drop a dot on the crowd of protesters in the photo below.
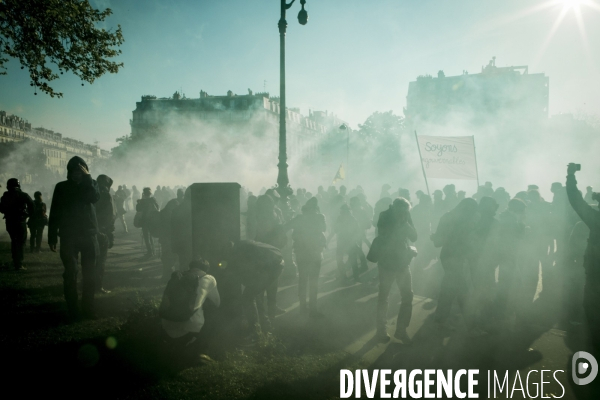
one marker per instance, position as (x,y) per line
(492,253)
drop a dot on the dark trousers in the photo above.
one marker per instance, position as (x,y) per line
(454,287)
(35,239)
(254,287)
(591,299)
(18,238)
(353,252)
(101,260)
(148,241)
(70,248)
(403,280)
(309,268)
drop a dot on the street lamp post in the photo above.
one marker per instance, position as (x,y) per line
(283,182)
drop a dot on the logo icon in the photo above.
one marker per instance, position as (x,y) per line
(582,367)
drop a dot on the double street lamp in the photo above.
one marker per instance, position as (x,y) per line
(283,182)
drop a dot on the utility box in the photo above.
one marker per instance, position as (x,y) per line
(215,219)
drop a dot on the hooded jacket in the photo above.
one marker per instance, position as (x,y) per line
(73,211)
(16,206)
(106,211)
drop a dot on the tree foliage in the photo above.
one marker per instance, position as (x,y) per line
(50,37)
(381,134)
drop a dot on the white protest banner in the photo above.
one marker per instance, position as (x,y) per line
(448,157)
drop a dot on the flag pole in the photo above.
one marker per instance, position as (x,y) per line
(422,167)
(475,154)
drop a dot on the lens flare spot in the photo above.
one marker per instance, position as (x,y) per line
(111,342)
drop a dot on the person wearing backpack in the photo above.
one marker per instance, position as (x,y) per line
(16,207)
(182,307)
(148,208)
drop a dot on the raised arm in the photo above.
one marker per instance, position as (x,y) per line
(581,207)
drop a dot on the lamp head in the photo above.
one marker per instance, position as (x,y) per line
(303,15)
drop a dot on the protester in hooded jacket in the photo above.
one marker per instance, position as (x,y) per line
(106,214)
(73,219)
(16,207)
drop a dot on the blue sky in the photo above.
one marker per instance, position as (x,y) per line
(352,58)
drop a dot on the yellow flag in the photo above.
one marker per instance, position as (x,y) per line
(340,175)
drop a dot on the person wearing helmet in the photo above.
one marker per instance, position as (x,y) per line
(16,206)
(73,219)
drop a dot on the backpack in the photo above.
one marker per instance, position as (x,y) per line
(180,298)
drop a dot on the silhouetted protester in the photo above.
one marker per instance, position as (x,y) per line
(182,310)
(450,197)
(591,261)
(270,230)
(424,278)
(393,254)
(484,259)
(454,235)
(180,194)
(347,231)
(73,219)
(381,205)
(536,243)
(385,191)
(511,232)
(309,241)
(120,198)
(256,265)
(364,223)
(148,207)
(135,195)
(168,256)
(106,213)
(37,222)
(127,202)
(181,231)
(575,276)
(16,207)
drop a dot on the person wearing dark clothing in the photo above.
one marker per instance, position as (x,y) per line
(167,255)
(256,266)
(394,255)
(270,230)
(364,223)
(309,241)
(181,231)
(511,230)
(120,198)
(16,207)
(454,235)
(484,255)
(37,222)
(73,219)
(591,259)
(106,214)
(348,236)
(147,205)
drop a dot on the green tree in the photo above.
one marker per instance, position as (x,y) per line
(380,135)
(50,37)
